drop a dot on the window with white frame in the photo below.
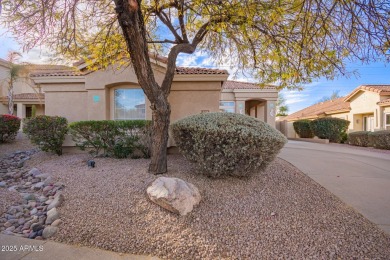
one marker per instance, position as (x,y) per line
(227,106)
(129,104)
(387,121)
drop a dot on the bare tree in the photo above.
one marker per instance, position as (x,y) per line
(286,41)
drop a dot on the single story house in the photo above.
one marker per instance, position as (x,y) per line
(367,108)
(114,93)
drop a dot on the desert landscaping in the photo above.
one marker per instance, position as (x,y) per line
(279,213)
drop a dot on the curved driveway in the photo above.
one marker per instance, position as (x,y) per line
(360,178)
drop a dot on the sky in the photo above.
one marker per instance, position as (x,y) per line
(373,73)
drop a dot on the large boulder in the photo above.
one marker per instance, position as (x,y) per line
(174,195)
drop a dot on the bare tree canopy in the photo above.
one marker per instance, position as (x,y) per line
(287,41)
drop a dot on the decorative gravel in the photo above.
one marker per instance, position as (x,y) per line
(278,214)
(7,199)
(21,143)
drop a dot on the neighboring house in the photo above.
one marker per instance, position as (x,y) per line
(114,93)
(367,108)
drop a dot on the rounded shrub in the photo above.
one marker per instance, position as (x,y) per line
(331,128)
(380,139)
(120,139)
(302,128)
(48,132)
(226,143)
(9,127)
(359,138)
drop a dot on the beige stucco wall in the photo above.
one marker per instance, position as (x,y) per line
(190,98)
(71,105)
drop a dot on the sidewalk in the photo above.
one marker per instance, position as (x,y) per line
(24,248)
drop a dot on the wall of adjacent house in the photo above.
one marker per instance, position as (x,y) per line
(364,104)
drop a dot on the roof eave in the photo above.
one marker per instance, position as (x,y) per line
(200,77)
(58,79)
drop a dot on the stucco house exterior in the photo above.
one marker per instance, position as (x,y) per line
(367,108)
(114,94)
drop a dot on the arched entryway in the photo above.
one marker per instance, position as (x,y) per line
(256,108)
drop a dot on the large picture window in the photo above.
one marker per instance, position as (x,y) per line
(129,104)
(227,106)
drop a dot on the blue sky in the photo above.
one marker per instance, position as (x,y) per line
(373,73)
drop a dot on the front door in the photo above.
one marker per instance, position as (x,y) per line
(368,123)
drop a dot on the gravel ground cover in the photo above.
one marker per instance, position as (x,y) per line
(278,214)
(21,143)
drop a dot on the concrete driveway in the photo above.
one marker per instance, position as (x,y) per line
(360,178)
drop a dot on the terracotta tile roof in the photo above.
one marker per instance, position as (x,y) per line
(380,89)
(198,71)
(327,107)
(30,96)
(68,73)
(384,102)
(244,85)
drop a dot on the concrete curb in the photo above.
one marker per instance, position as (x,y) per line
(15,248)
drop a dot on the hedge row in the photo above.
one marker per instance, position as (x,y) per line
(47,132)
(119,139)
(9,126)
(330,128)
(378,139)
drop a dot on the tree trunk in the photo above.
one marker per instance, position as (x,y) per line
(160,127)
(11,99)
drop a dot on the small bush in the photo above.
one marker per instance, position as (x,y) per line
(118,139)
(359,138)
(302,128)
(48,132)
(380,139)
(227,143)
(329,128)
(9,127)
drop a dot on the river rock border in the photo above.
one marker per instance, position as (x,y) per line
(37,216)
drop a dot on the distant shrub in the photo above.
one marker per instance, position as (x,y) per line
(329,128)
(302,128)
(380,139)
(9,127)
(227,143)
(48,132)
(118,139)
(359,138)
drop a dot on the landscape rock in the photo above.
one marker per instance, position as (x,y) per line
(174,195)
(34,172)
(56,223)
(52,215)
(49,231)
(57,201)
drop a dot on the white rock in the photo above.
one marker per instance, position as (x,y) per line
(52,215)
(34,172)
(49,231)
(57,201)
(174,195)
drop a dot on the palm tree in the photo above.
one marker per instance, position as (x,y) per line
(13,76)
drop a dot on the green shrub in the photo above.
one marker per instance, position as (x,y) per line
(329,128)
(118,139)
(48,132)
(227,143)
(359,138)
(302,128)
(380,139)
(9,127)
